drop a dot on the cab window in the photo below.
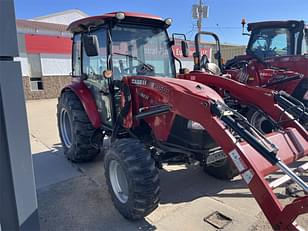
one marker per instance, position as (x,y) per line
(94,66)
(271,42)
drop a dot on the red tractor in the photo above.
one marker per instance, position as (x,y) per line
(125,87)
(251,71)
(275,50)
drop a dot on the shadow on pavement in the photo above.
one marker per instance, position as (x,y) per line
(71,198)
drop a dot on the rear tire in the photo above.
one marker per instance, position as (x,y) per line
(223,169)
(132,178)
(75,129)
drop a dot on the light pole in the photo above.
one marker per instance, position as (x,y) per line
(200,11)
(18,203)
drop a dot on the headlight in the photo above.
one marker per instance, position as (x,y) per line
(168,21)
(120,15)
(194,125)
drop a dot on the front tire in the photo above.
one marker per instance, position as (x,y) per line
(222,169)
(132,178)
(75,129)
(257,119)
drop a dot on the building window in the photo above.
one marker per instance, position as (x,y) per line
(35,65)
(36,84)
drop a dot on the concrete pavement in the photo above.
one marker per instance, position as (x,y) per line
(75,197)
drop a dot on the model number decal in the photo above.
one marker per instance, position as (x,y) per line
(161,88)
(139,82)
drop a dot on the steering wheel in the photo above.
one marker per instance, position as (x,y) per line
(238,64)
(142,69)
(130,68)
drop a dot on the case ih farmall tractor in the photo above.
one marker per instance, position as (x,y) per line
(275,50)
(251,71)
(125,87)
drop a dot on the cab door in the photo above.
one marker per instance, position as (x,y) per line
(92,71)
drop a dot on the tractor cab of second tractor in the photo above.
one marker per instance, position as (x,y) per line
(277,38)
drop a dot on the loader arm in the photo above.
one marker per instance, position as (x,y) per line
(273,103)
(254,156)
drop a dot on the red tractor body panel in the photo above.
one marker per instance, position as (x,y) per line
(260,75)
(149,91)
(87,100)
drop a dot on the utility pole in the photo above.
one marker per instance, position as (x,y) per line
(199,22)
(18,203)
(199,11)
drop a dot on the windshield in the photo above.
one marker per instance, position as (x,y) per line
(138,50)
(266,43)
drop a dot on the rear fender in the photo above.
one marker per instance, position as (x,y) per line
(87,100)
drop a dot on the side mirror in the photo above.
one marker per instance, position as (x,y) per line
(90,43)
(185,49)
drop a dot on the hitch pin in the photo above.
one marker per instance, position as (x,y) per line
(292,175)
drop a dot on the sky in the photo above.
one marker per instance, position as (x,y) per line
(224,15)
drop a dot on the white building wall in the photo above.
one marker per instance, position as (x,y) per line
(56,64)
(65,17)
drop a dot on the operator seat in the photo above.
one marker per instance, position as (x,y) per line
(206,66)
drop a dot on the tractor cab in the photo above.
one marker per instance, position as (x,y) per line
(277,38)
(108,47)
(276,57)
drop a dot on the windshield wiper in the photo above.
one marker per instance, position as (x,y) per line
(136,58)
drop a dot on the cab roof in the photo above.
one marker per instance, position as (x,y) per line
(83,24)
(270,24)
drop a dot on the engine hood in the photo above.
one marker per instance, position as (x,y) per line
(169,87)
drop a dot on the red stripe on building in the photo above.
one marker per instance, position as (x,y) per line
(48,44)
